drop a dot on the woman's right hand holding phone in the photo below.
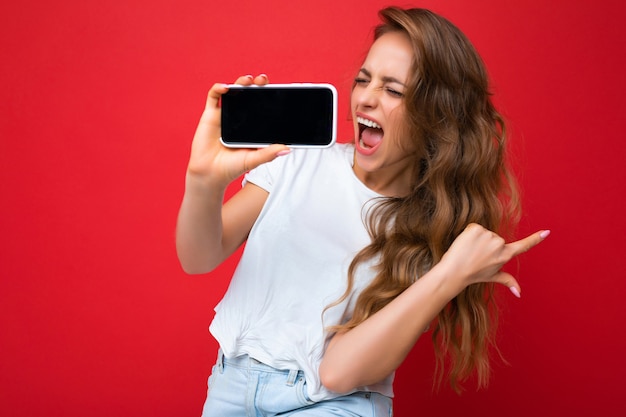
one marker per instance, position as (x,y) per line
(209,230)
(210,161)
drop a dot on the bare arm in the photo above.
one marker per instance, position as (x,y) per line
(375,348)
(207,232)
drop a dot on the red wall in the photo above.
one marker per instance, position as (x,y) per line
(98,104)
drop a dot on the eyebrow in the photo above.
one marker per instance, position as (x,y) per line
(386,79)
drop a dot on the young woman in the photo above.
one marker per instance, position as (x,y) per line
(353,251)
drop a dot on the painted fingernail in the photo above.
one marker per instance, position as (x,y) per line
(263,75)
(515,292)
(544,234)
(283,152)
(249,76)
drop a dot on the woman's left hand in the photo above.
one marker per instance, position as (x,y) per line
(376,347)
(478,255)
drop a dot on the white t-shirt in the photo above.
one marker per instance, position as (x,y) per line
(295,264)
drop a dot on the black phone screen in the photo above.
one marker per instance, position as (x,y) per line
(294,115)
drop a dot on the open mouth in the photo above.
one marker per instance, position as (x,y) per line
(370,133)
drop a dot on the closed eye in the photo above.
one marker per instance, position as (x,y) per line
(395,93)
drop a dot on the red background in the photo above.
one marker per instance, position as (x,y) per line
(98,104)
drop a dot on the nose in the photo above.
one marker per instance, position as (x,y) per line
(369,96)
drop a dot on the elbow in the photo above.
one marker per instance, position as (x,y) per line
(192,270)
(195,268)
(193,264)
(334,380)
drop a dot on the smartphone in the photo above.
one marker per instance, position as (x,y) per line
(298,115)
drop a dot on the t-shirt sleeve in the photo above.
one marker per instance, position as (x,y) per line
(265,175)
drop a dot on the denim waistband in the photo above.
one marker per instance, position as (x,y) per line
(247,362)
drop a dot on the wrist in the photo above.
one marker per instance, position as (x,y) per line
(203,182)
(199,187)
(450,281)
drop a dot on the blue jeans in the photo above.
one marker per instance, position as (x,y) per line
(244,387)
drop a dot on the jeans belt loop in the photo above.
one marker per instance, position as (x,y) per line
(291,379)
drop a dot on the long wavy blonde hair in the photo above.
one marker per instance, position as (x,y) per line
(460,177)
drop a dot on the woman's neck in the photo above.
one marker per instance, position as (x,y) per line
(390,181)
